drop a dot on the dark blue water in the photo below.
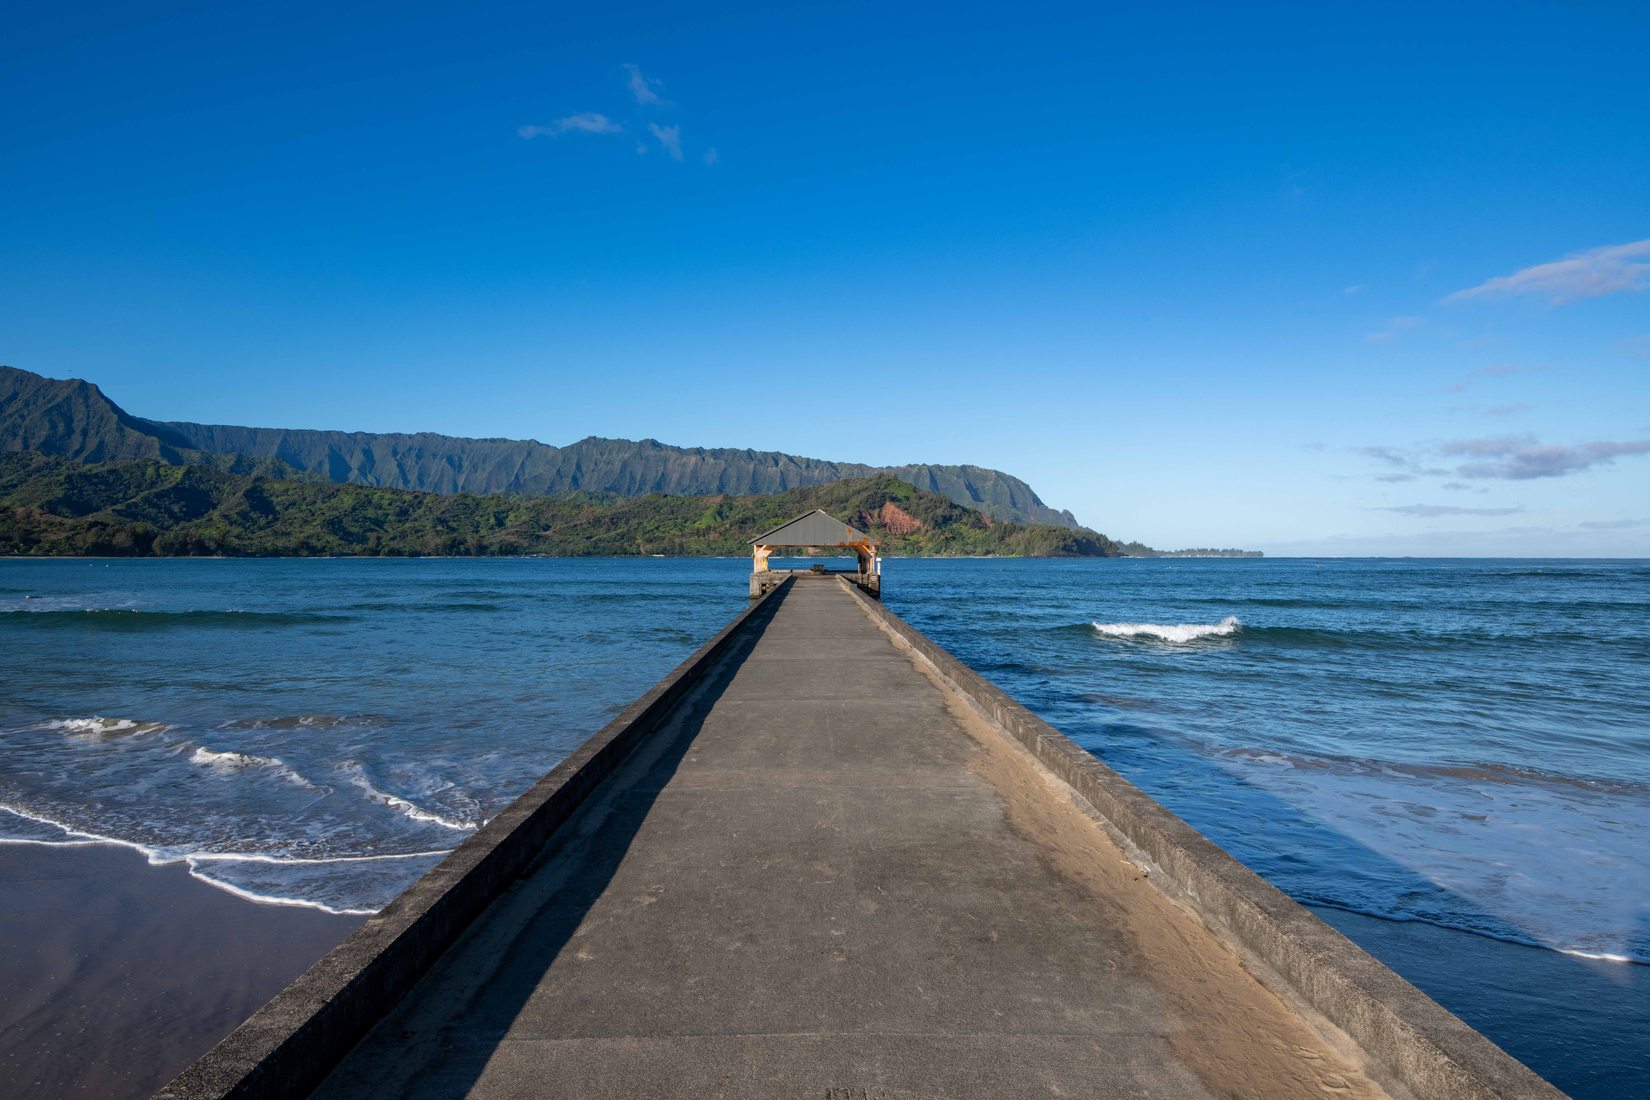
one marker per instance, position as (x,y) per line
(1462,746)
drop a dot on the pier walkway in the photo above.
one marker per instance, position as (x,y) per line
(823,884)
(824,874)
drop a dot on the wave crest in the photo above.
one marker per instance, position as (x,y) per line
(411,810)
(305,721)
(99,727)
(234,761)
(1177,634)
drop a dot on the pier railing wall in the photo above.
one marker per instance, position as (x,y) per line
(1416,1042)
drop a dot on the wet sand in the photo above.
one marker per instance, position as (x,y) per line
(117,974)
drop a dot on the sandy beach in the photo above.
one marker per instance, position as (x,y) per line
(119,974)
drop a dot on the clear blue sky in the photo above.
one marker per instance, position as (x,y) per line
(1309,278)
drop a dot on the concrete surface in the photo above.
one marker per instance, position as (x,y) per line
(1413,1042)
(823,858)
(819,881)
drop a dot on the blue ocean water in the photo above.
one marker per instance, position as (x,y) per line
(1460,745)
(318,731)
(1461,742)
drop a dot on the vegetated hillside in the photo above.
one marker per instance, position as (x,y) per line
(74,419)
(49,505)
(1141,550)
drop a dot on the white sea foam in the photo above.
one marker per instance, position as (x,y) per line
(298,861)
(1178,634)
(199,862)
(1598,956)
(410,809)
(233,761)
(71,834)
(276,899)
(99,726)
(305,721)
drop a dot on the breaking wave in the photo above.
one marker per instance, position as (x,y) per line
(266,879)
(410,809)
(234,761)
(1178,634)
(305,721)
(101,728)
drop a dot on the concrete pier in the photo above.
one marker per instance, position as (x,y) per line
(825,860)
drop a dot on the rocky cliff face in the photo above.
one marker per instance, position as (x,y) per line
(74,419)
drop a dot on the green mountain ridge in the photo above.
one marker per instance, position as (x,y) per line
(152,507)
(74,419)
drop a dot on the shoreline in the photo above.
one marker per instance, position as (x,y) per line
(120,973)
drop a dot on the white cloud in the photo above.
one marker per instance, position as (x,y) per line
(1494,370)
(1524,458)
(670,138)
(1405,465)
(1510,409)
(1607,270)
(583,122)
(1428,511)
(1394,327)
(642,87)
(711,156)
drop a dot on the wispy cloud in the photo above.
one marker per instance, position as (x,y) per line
(1394,327)
(1613,524)
(1524,458)
(1430,510)
(583,122)
(1405,465)
(1494,370)
(669,137)
(1606,270)
(642,86)
(644,90)
(1511,409)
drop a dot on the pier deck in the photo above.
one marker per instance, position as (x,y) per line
(823,883)
(824,859)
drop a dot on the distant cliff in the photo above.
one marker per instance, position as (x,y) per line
(74,419)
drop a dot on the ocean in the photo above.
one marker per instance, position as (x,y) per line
(1449,759)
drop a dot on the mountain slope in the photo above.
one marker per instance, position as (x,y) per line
(52,505)
(76,420)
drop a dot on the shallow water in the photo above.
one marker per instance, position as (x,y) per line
(319,732)
(1457,744)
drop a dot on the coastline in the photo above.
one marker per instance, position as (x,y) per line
(121,973)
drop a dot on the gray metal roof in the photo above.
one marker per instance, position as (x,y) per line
(813,529)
